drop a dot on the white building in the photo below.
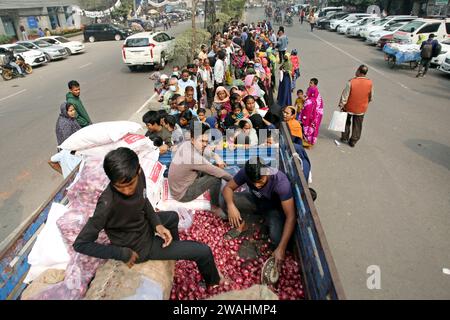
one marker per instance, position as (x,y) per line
(33,14)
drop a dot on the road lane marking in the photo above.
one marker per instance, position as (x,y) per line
(85,65)
(362,62)
(147,102)
(12,95)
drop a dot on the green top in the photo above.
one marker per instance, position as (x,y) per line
(82,115)
(286,66)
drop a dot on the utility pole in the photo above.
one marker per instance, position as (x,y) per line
(134,9)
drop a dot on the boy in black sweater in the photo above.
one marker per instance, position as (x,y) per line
(130,222)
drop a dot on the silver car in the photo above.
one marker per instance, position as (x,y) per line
(51,51)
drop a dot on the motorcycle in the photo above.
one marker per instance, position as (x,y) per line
(8,72)
(278,19)
(289,21)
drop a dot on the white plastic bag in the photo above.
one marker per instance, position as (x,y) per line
(49,251)
(148,290)
(338,121)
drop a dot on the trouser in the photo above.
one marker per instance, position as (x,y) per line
(184,250)
(203,183)
(274,217)
(312,26)
(356,128)
(16,66)
(423,66)
(210,97)
(301,20)
(282,53)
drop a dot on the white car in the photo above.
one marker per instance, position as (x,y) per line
(441,57)
(148,49)
(72,47)
(334,24)
(380,24)
(51,51)
(353,30)
(32,57)
(344,25)
(445,65)
(374,36)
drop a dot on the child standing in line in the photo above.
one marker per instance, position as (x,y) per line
(299,101)
(295,68)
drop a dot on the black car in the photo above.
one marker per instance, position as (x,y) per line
(105,31)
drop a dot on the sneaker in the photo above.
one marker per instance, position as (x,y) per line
(344,140)
(351,144)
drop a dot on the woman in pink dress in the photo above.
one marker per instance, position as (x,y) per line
(311,114)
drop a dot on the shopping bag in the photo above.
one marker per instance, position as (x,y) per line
(338,121)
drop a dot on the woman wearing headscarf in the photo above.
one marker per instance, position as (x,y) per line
(245,130)
(267,81)
(311,114)
(239,62)
(251,86)
(284,88)
(222,103)
(66,125)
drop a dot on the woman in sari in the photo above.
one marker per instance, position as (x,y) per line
(268,81)
(239,62)
(284,88)
(311,114)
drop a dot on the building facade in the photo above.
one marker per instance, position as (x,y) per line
(34,14)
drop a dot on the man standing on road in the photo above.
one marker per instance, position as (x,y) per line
(427,52)
(354,100)
(302,16)
(282,45)
(73,98)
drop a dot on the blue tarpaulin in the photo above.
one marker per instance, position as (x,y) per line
(402,56)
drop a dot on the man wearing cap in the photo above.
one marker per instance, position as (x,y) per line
(427,52)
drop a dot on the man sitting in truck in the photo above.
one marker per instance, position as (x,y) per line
(270,195)
(191,174)
(125,213)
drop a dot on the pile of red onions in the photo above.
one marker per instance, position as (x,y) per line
(239,273)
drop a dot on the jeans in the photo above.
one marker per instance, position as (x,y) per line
(423,66)
(184,250)
(14,65)
(274,218)
(356,128)
(203,183)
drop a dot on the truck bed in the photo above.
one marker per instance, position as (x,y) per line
(318,271)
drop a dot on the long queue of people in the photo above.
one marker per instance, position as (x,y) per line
(242,80)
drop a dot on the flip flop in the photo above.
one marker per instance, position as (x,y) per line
(232,234)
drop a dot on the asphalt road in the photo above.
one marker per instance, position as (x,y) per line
(29,108)
(386,201)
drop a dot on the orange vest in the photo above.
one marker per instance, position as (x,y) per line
(358,101)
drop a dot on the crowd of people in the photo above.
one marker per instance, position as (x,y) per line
(225,98)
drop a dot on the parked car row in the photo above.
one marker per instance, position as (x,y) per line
(378,31)
(42,50)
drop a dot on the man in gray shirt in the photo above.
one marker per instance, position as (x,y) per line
(191,173)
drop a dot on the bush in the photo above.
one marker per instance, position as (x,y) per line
(4,39)
(183,45)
